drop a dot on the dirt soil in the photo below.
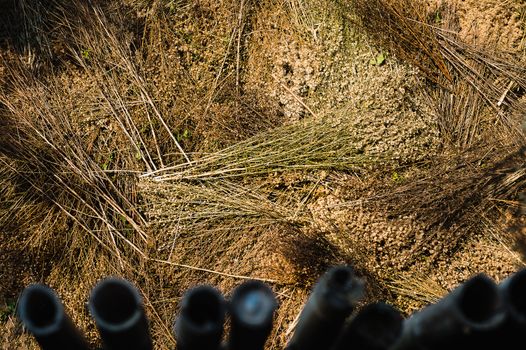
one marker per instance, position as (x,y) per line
(223,75)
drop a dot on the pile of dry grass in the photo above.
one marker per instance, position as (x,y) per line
(309,145)
(470,190)
(100,125)
(45,160)
(462,195)
(76,132)
(478,106)
(468,77)
(134,88)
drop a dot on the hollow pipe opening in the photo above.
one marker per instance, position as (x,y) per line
(115,304)
(516,295)
(340,277)
(40,309)
(379,322)
(338,291)
(203,306)
(375,326)
(253,303)
(479,300)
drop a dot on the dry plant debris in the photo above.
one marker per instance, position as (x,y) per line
(428,36)
(175,143)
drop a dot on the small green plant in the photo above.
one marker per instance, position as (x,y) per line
(7,310)
(173,5)
(438,17)
(108,160)
(379,60)
(396,177)
(85,54)
(185,135)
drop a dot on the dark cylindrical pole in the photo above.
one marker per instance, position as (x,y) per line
(513,329)
(43,315)
(463,318)
(252,308)
(199,325)
(332,300)
(117,308)
(375,327)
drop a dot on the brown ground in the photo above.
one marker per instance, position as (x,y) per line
(492,22)
(414,213)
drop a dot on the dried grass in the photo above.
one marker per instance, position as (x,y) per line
(73,140)
(46,159)
(427,38)
(196,205)
(310,145)
(401,27)
(214,217)
(476,98)
(456,191)
(106,55)
(221,232)
(419,288)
